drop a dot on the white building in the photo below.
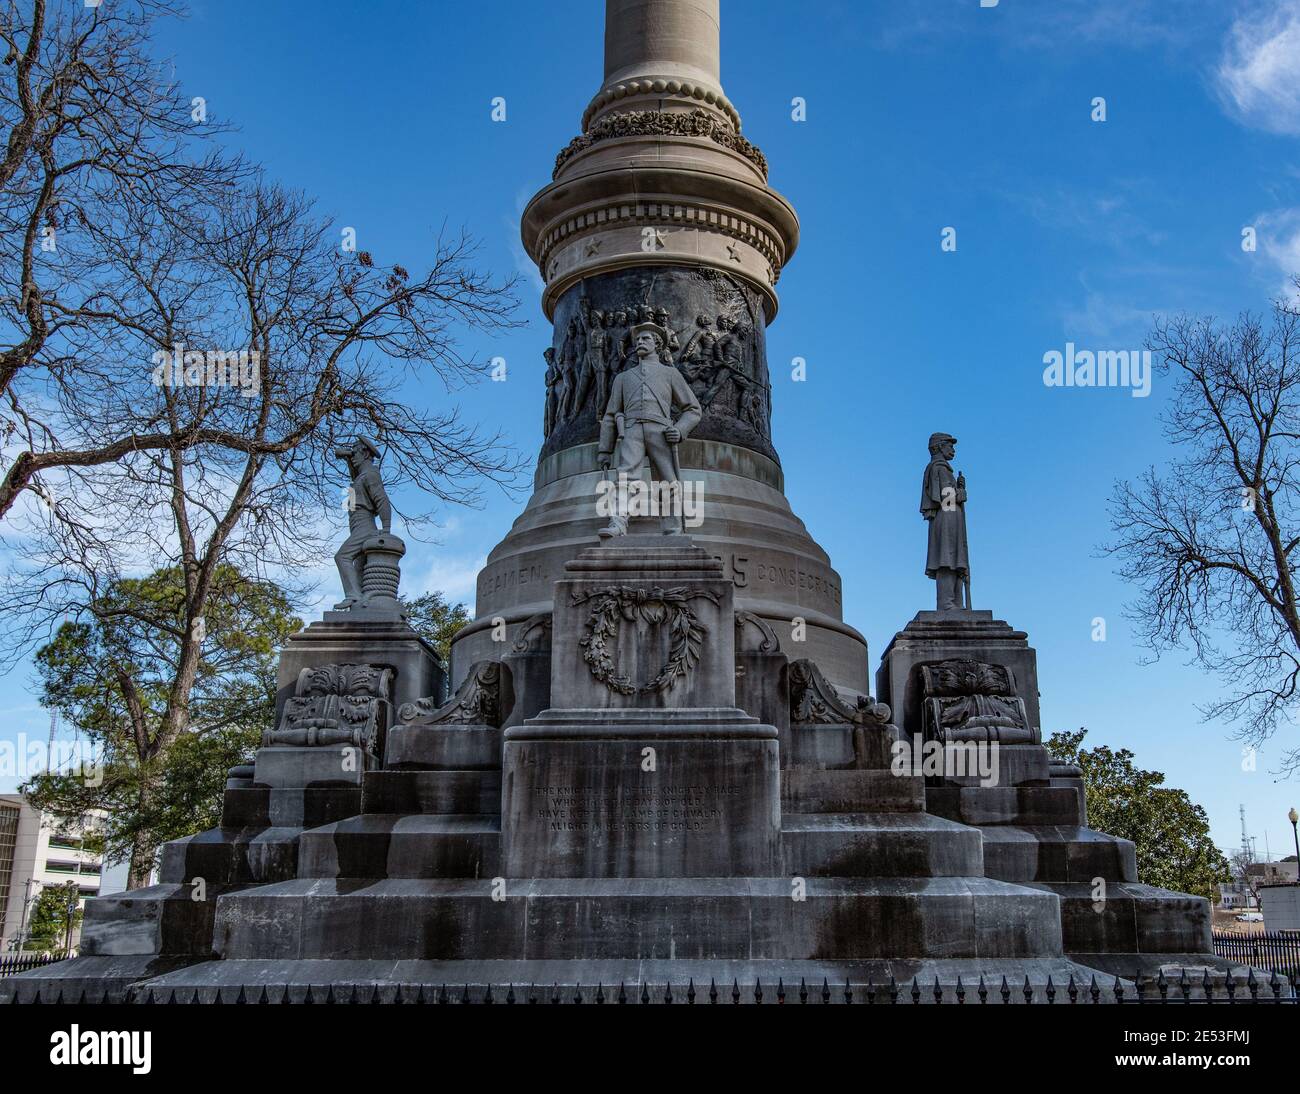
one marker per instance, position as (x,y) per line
(36,851)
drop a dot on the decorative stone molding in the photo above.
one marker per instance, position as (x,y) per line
(768,641)
(336,704)
(815,701)
(480,700)
(539,625)
(684,88)
(662,123)
(680,213)
(664,607)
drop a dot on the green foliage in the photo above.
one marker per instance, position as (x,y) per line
(436,621)
(112,674)
(1172,834)
(55,914)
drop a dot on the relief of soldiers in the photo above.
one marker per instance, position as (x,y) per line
(570,349)
(593,371)
(699,346)
(619,347)
(651,409)
(556,393)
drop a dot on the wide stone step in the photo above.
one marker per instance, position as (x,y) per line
(431,792)
(443,747)
(232,856)
(1127,917)
(646,919)
(1015,805)
(89,979)
(879,845)
(267,807)
(162,919)
(382,845)
(853,790)
(1057,853)
(720,981)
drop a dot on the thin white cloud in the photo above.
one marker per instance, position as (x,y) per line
(1258,76)
(1278,235)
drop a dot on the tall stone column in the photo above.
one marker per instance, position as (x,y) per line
(660,209)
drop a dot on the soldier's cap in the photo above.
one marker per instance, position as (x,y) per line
(366,442)
(653,328)
(936,439)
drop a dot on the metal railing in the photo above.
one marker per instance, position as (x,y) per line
(13,963)
(1278,953)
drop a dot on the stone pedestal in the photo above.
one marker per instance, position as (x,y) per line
(941,636)
(369,637)
(643,766)
(281,767)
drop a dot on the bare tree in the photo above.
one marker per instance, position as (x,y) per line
(198,346)
(1212,539)
(98,133)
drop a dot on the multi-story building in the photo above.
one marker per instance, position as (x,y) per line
(37,851)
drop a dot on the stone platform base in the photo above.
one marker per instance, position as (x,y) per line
(416,981)
(87,979)
(575,919)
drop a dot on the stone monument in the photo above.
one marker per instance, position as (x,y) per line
(659,760)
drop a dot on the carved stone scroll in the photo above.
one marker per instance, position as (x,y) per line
(814,700)
(483,698)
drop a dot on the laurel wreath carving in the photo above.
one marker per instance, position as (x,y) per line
(614,604)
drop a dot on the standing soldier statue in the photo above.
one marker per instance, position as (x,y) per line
(943,504)
(367,501)
(640,417)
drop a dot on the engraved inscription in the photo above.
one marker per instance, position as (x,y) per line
(632,809)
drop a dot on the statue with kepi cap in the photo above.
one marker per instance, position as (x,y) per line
(943,504)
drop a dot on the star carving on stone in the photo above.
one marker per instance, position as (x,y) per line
(593,247)
(661,238)
(733,252)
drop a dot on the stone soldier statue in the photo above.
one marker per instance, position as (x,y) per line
(367,501)
(943,504)
(651,410)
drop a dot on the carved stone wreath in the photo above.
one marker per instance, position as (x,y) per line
(614,604)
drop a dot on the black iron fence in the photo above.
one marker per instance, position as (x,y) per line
(12,963)
(1185,990)
(1278,953)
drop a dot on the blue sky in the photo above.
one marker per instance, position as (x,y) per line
(921,115)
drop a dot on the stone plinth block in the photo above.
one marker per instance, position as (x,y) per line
(608,794)
(350,638)
(320,765)
(970,636)
(646,622)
